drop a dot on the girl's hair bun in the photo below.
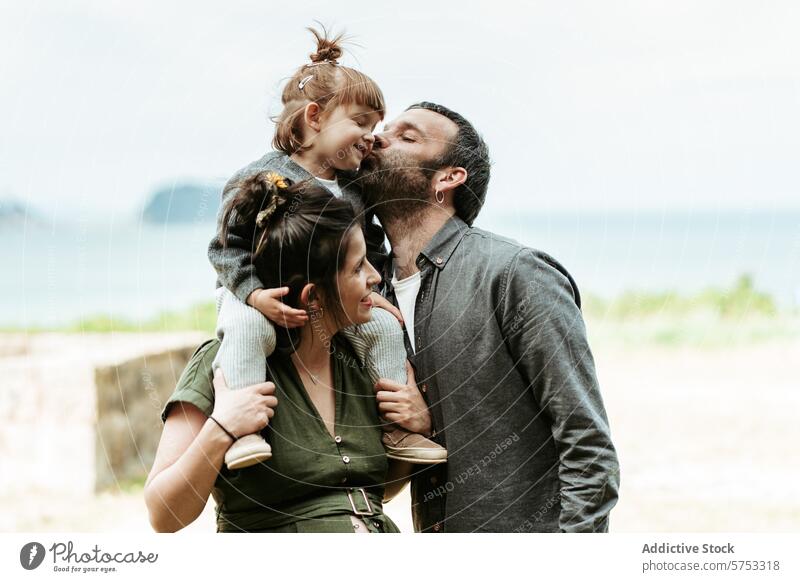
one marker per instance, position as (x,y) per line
(328,49)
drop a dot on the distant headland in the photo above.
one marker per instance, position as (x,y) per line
(183,203)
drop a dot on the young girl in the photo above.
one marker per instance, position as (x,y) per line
(329,113)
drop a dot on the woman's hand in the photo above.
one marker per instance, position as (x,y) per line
(245,411)
(268,302)
(403,404)
(379,300)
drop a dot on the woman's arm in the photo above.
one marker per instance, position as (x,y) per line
(187,463)
(192,449)
(403,404)
(398,476)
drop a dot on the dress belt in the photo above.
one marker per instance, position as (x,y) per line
(351,500)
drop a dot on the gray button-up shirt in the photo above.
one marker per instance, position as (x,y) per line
(504,365)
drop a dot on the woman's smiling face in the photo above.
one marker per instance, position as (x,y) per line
(355,280)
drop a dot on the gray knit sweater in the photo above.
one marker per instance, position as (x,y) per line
(233,262)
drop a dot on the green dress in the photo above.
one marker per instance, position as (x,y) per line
(314,482)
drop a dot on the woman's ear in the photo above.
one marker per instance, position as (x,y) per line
(311,116)
(308,297)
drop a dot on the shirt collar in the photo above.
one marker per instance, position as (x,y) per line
(438,250)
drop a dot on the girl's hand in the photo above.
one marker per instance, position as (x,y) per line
(268,302)
(379,300)
(245,411)
(403,404)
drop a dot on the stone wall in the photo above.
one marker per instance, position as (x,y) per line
(81,412)
(130,397)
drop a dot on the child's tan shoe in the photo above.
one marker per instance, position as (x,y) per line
(248,450)
(412,448)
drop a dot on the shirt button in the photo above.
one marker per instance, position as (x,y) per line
(436,527)
(424,387)
(337,438)
(346,459)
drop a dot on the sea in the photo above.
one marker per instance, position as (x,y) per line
(57,273)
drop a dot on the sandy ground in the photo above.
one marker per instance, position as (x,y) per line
(707,441)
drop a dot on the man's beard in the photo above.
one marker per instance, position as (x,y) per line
(394,186)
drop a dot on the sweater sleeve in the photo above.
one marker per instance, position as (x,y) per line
(233,258)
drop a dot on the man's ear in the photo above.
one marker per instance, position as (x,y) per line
(311,116)
(447,180)
(308,296)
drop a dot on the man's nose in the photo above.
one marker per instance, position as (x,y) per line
(380,141)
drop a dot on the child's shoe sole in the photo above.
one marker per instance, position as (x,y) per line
(247,451)
(417,456)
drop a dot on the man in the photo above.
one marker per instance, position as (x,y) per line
(495,333)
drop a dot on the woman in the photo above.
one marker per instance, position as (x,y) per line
(328,469)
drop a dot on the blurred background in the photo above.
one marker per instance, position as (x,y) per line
(647,146)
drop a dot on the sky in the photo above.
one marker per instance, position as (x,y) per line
(595,106)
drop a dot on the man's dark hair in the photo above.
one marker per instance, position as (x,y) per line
(469,151)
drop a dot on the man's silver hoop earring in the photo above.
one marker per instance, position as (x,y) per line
(438,199)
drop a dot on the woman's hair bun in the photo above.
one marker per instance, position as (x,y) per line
(256,200)
(328,49)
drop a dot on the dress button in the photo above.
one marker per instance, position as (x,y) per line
(337,438)
(436,527)
(346,459)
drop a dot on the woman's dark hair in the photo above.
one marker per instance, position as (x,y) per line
(300,235)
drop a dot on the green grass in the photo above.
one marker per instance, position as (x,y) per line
(200,317)
(742,299)
(714,317)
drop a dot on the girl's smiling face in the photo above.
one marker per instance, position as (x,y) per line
(344,137)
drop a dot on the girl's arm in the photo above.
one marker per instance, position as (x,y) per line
(232,256)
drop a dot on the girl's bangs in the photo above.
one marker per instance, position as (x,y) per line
(357,88)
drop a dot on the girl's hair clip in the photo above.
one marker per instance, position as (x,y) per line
(326,61)
(303,82)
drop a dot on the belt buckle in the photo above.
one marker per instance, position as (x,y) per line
(366,500)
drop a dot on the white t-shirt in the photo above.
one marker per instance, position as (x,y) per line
(406,292)
(332,185)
